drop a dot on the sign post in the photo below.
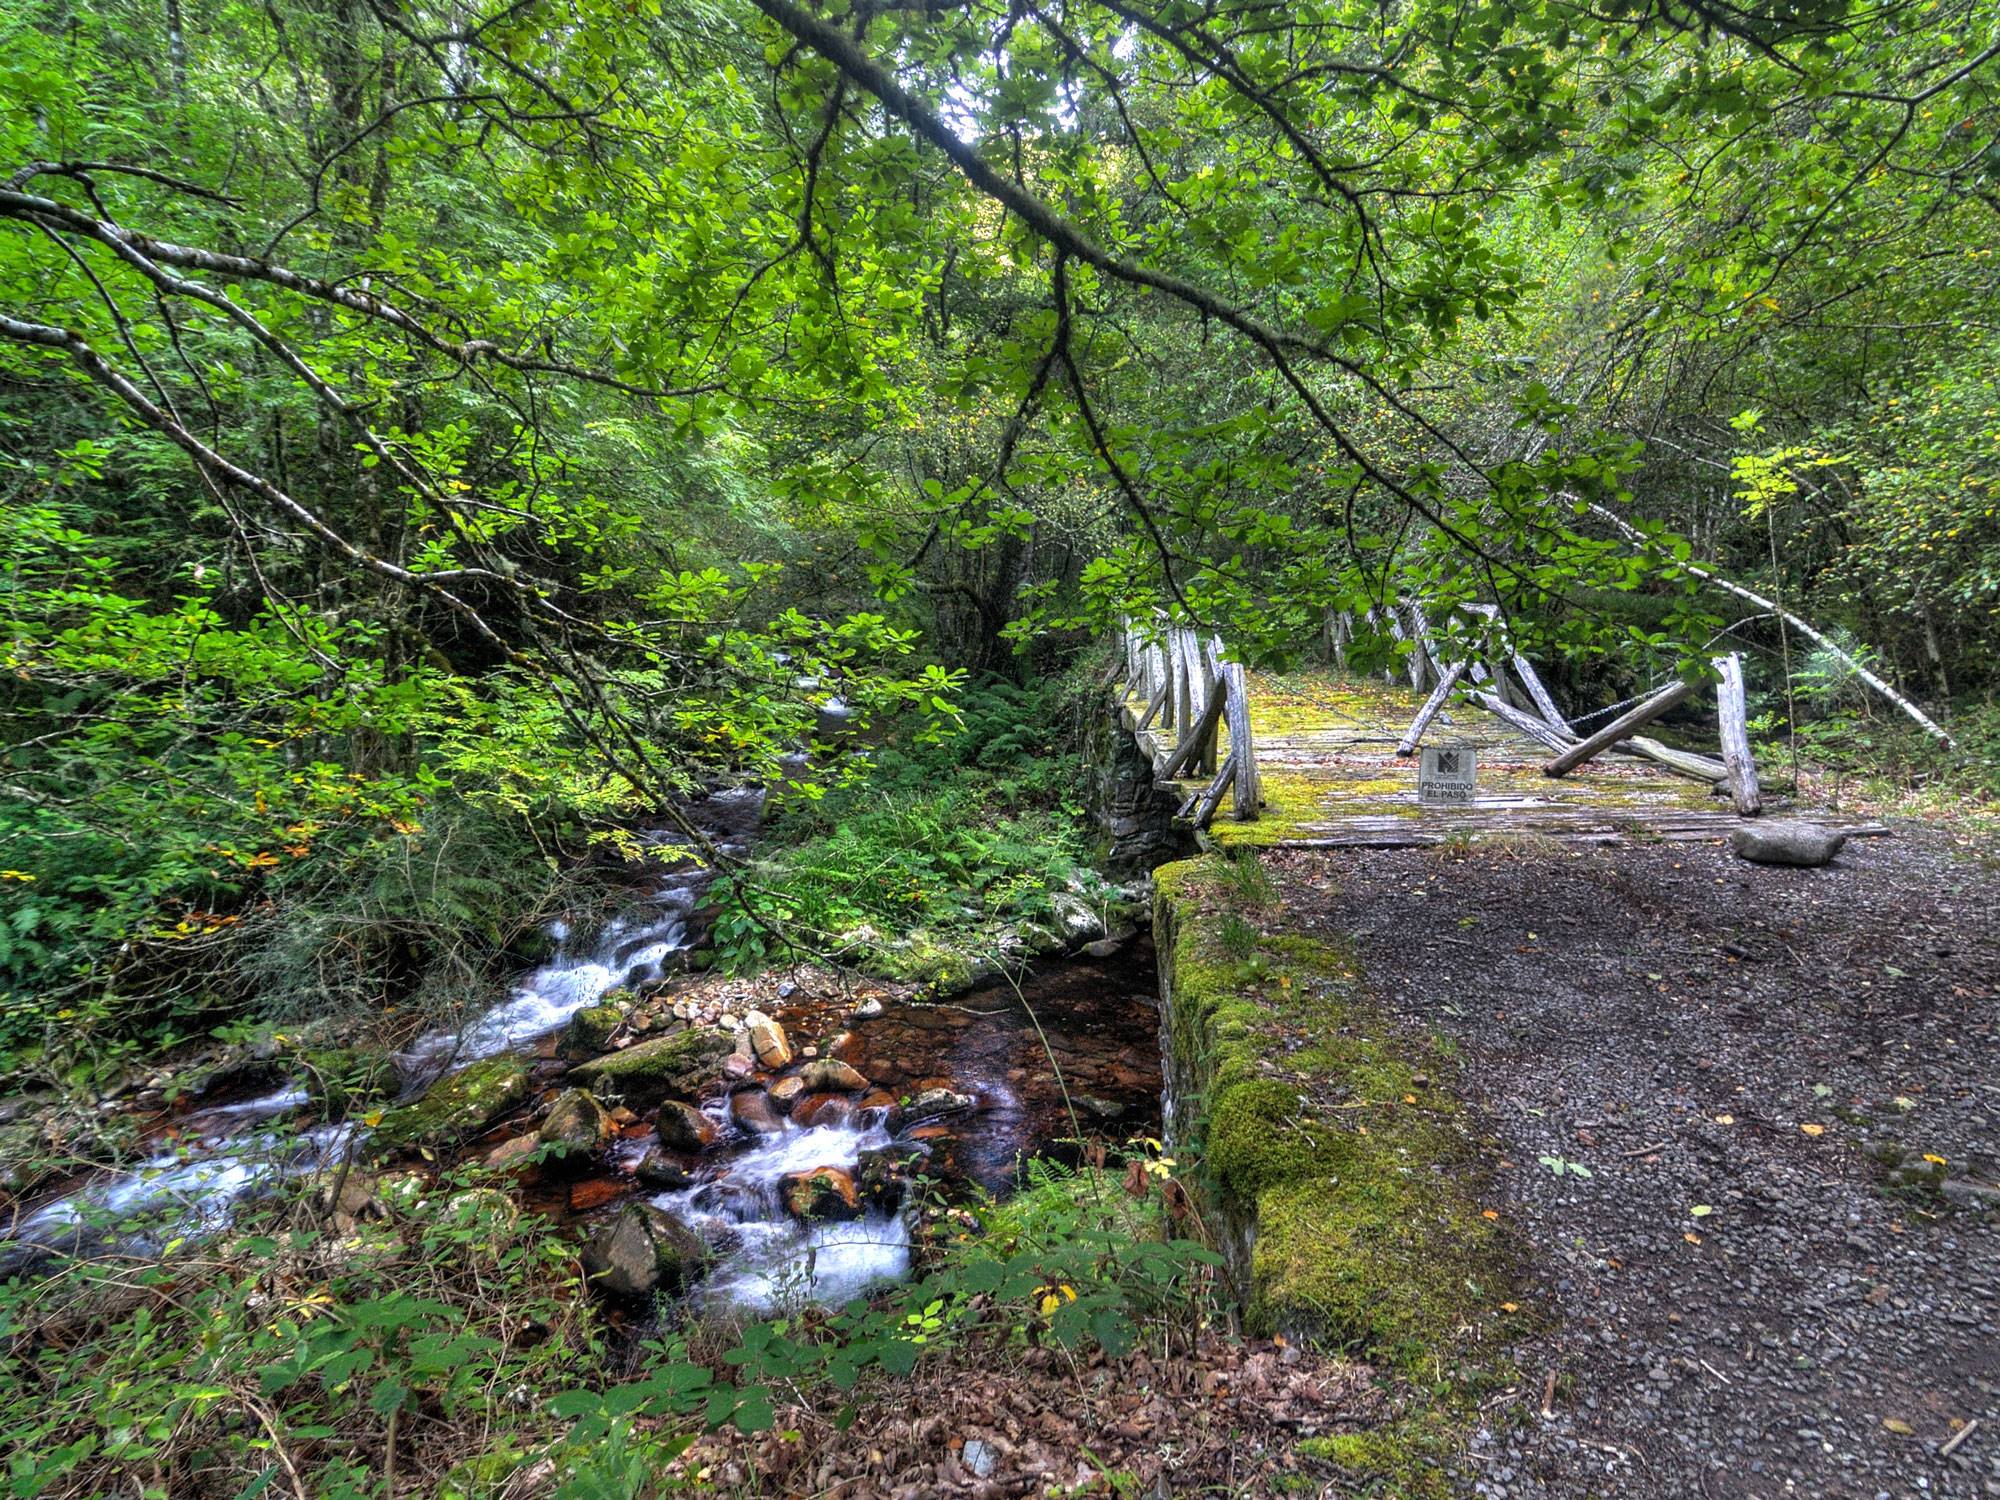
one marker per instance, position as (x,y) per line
(1446,774)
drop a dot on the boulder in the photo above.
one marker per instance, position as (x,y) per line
(753,1113)
(822,1193)
(931,1103)
(456,1107)
(511,1153)
(787,1091)
(670,1067)
(768,1041)
(1786,842)
(589,1032)
(823,1109)
(643,1249)
(576,1125)
(831,1076)
(1076,919)
(661,1172)
(682,1127)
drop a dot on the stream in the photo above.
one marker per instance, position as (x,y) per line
(1095,1019)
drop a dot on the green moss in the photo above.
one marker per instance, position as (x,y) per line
(1405,1460)
(590,1031)
(1360,1185)
(675,1066)
(456,1106)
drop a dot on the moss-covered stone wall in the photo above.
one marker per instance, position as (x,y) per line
(1336,1166)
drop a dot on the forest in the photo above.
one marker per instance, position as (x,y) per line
(645,497)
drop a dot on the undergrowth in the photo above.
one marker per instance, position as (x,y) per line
(948,842)
(448,1348)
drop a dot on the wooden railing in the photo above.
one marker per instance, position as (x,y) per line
(1181,693)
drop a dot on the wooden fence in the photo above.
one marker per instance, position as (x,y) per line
(1191,693)
(1510,689)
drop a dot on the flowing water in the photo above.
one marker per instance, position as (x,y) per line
(1070,1053)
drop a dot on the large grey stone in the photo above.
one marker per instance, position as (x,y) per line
(1786,842)
(641,1250)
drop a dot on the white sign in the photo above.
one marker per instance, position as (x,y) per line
(1446,773)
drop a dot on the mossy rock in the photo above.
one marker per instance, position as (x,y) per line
(589,1032)
(671,1067)
(457,1106)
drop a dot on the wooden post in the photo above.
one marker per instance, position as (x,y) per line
(1554,738)
(1430,709)
(1544,704)
(1242,752)
(1617,730)
(1211,798)
(1201,743)
(1732,709)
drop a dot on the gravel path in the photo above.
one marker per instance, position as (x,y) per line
(1747,1302)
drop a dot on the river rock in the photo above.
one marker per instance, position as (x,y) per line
(931,1103)
(641,1250)
(1104,947)
(823,1109)
(456,1107)
(830,1075)
(510,1154)
(883,1105)
(882,1175)
(576,1125)
(768,1041)
(752,1111)
(661,1172)
(1076,920)
(787,1091)
(669,1067)
(867,1010)
(822,1193)
(1786,842)
(682,1127)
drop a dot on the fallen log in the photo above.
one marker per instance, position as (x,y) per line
(1429,711)
(1618,729)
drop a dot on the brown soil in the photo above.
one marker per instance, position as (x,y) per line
(1742,1302)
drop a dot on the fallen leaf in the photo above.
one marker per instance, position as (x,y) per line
(1725,1119)
(1812,1130)
(1489,1213)
(1898,1426)
(1510,1307)
(1692,1238)
(1702,1210)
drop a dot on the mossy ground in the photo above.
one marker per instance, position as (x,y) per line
(1341,1143)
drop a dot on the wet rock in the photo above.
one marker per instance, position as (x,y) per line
(753,1113)
(823,1109)
(682,1127)
(1786,842)
(882,1175)
(1106,947)
(822,1193)
(576,1125)
(642,1250)
(595,1192)
(1103,1109)
(768,1041)
(787,1091)
(829,1075)
(867,1010)
(670,1067)
(933,1102)
(882,1103)
(661,1172)
(736,1065)
(456,1107)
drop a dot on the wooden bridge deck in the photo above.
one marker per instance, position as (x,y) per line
(1330,777)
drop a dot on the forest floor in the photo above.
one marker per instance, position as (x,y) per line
(1747,1121)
